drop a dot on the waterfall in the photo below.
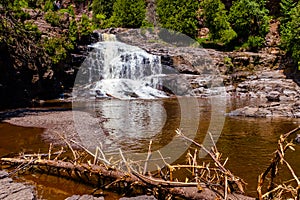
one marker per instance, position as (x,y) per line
(123,71)
(107,37)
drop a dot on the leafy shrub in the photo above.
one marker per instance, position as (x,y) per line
(48,5)
(69,10)
(57,48)
(73,31)
(85,26)
(253,43)
(33,29)
(53,18)
(20,3)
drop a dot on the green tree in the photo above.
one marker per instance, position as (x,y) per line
(286,7)
(250,20)
(179,15)
(128,13)
(290,37)
(102,9)
(216,20)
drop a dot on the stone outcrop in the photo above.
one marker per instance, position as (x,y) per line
(10,190)
(269,110)
(280,96)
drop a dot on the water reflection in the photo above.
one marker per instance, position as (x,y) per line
(131,123)
(132,119)
(126,124)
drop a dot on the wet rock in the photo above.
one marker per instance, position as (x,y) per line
(273,96)
(90,197)
(10,190)
(297,139)
(144,197)
(84,197)
(274,109)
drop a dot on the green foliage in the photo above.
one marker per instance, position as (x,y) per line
(128,13)
(20,3)
(69,10)
(178,15)
(17,11)
(253,43)
(102,9)
(85,26)
(48,5)
(216,20)
(286,7)
(57,48)
(147,24)
(229,65)
(35,3)
(290,37)
(249,18)
(32,29)
(20,14)
(53,18)
(73,32)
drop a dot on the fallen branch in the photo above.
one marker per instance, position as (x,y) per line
(272,169)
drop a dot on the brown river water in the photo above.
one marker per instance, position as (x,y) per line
(247,142)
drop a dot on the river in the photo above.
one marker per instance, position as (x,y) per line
(131,124)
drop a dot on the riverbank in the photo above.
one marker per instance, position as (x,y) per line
(58,123)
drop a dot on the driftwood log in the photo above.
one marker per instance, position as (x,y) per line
(110,178)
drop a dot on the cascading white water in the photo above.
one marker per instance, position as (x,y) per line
(107,37)
(123,71)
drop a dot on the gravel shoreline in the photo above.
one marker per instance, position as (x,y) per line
(57,123)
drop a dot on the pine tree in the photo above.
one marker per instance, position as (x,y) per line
(216,20)
(128,13)
(179,15)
